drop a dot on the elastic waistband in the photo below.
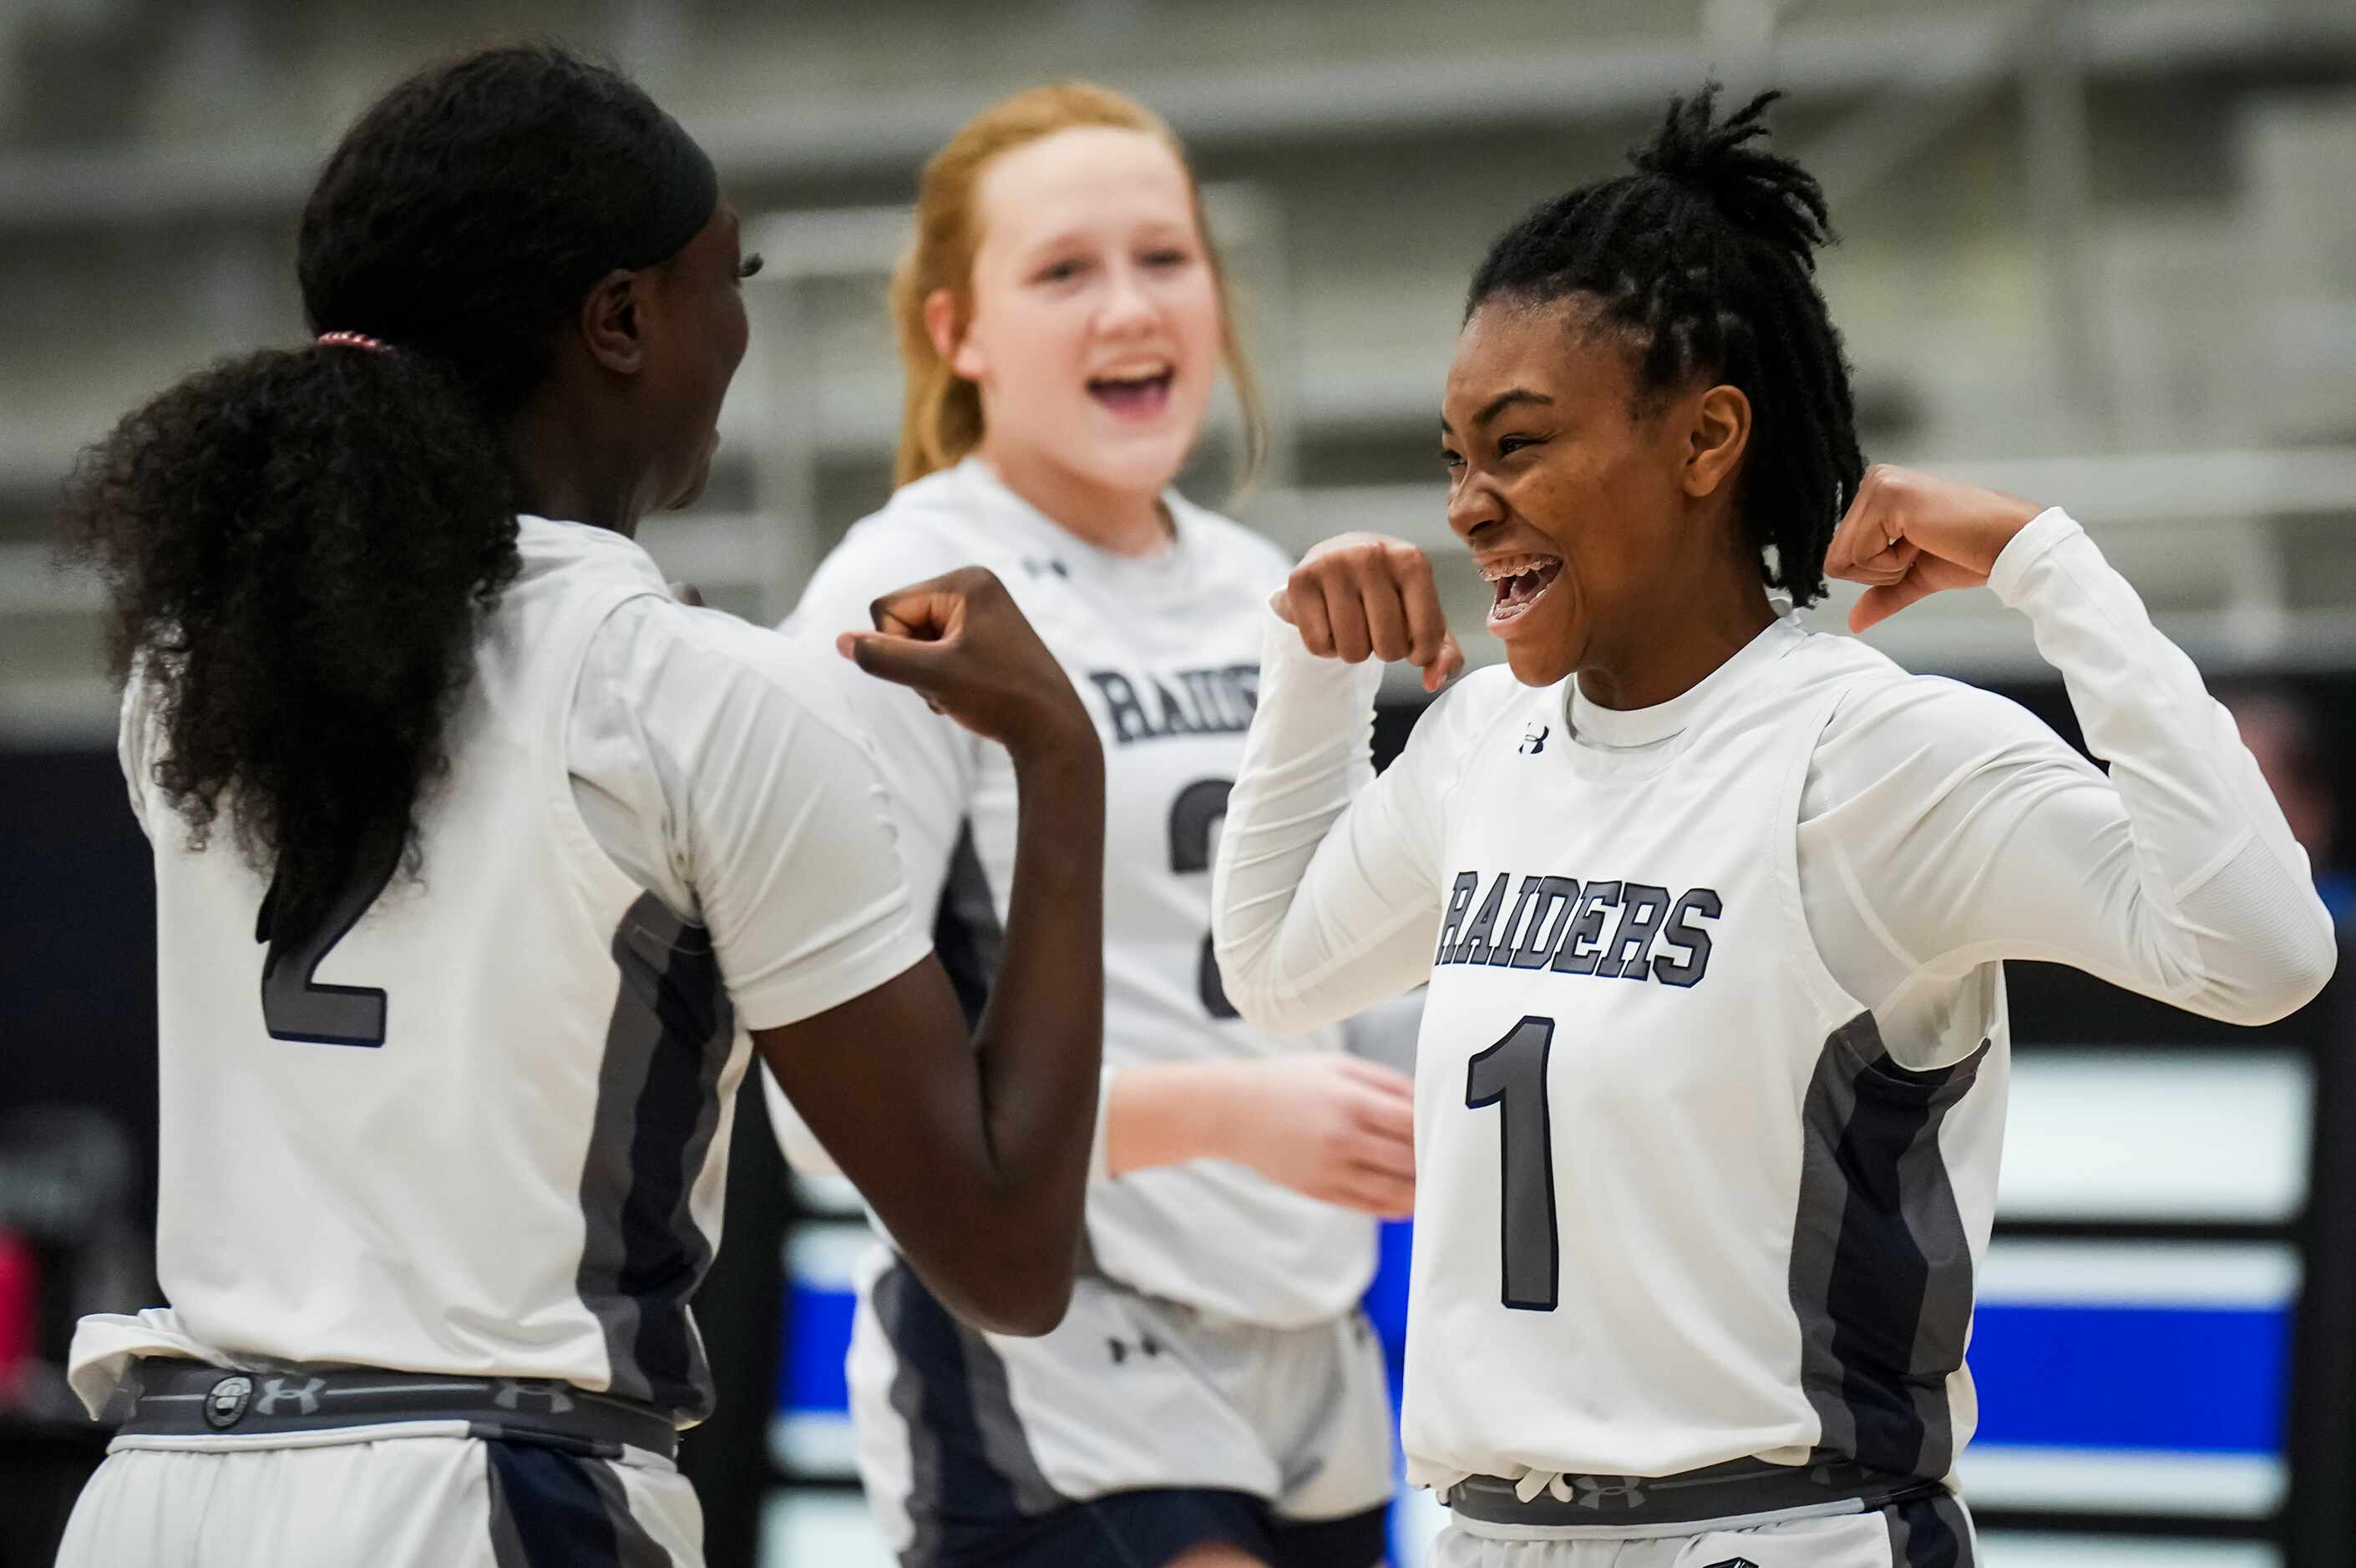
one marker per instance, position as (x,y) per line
(1739,1493)
(168,1398)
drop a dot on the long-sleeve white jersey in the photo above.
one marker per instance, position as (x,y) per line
(1164,652)
(1734,1208)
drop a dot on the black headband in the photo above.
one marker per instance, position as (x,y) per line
(681,197)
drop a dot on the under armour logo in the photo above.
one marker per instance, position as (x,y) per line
(225,1403)
(1039,567)
(550,1398)
(1605,1491)
(1147,1345)
(1533,740)
(304,1399)
(1732,1563)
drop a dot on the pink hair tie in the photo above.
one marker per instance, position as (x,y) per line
(352,340)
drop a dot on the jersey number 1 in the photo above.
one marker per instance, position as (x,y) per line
(1197,809)
(1511,1076)
(295,1007)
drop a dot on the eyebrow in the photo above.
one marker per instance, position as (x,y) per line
(1498,405)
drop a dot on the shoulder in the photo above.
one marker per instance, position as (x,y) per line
(1927,725)
(1223,538)
(1451,722)
(922,531)
(690,672)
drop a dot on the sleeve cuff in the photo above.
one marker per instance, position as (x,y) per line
(2049,529)
(805,991)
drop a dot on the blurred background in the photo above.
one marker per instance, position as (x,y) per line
(2099,253)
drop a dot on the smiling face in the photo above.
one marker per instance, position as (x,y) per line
(1092,326)
(695,340)
(1578,505)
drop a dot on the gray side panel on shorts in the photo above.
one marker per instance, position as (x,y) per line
(1930,1532)
(970,1459)
(657,1111)
(1882,1271)
(632,1544)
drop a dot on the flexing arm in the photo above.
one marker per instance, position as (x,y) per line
(1326,894)
(973,1151)
(2175,876)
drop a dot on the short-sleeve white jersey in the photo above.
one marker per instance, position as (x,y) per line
(1164,652)
(475,1125)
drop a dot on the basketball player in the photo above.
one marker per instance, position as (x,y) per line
(1711,1082)
(1214,1395)
(476,856)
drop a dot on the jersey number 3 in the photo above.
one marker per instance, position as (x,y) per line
(1511,1076)
(1197,809)
(294,1007)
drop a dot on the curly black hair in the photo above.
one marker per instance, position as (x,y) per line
(1705,257)
(301,544)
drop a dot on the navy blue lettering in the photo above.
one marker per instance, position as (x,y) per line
(1474,948)
(1459,898)
(1586,925)
(1679,932)
(1641,907)
(1538,942)
(1503,952)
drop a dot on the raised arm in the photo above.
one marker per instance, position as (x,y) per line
(973,1150)
(1325,896)
(2174,876)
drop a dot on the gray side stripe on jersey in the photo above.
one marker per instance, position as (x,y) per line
(657,1111)
(971,1463)
(1929,1532)
(1881,1270)
(966,933)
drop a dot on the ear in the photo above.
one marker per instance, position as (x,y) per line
(950,340)
(1716,436)
(613,322)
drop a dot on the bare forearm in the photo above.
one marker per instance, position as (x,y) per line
(1165,1112)
(1039,1043)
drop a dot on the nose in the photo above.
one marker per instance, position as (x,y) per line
(1473,504)
(1128,308)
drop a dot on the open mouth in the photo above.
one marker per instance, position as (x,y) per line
(1520,581)
(1134,397)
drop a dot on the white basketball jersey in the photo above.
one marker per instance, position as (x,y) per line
(1675,1206)
(474,1125)
(1164,653)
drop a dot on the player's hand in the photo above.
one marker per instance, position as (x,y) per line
(962,643)
(1332,1126)
(1908,535)
(1361,594)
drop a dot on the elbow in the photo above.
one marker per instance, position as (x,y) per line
(2303,971)
(1022,1299)
(2278,980)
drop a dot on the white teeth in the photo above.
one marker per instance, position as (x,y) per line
(1498,572)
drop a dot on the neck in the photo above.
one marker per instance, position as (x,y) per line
(567,466)
(1125,522)
(1667,654)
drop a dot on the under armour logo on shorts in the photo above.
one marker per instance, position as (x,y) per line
(1608,1491)
(226,1404)
(1732,1563)
(304,1399)
(547,1397)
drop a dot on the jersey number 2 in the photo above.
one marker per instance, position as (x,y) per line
(1511,1076)
(1197,809)
(295,1007)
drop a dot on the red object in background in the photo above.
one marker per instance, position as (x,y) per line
(19,1294)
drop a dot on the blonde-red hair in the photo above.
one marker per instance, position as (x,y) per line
(940,419)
